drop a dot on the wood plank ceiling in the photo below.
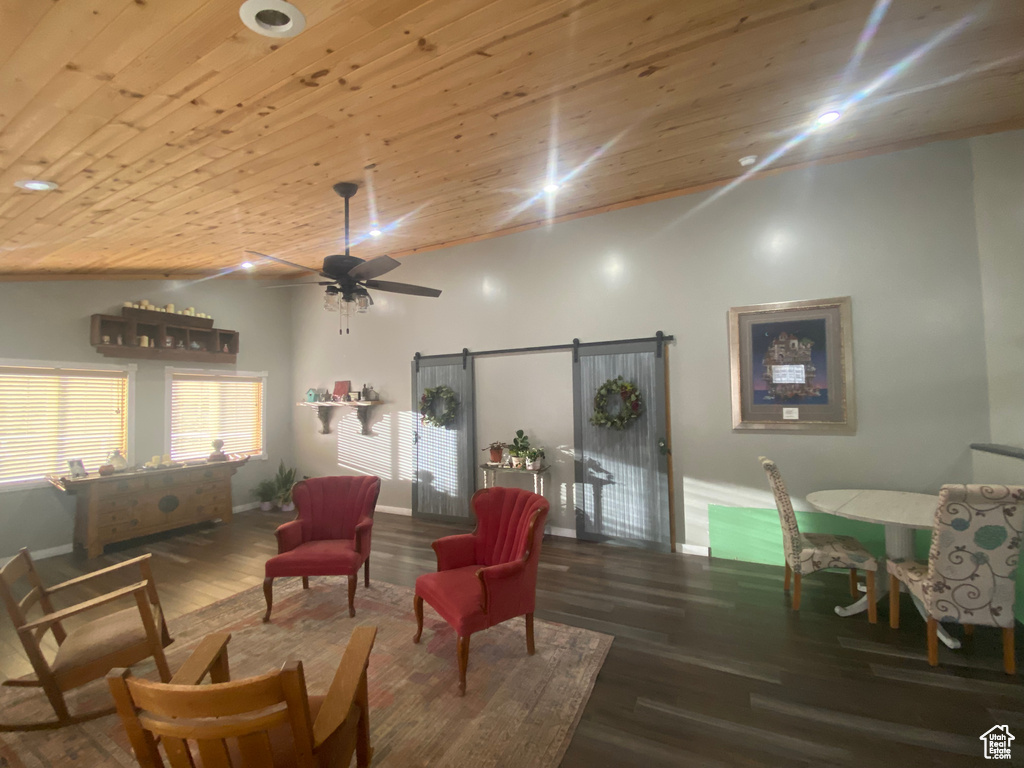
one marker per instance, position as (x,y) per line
(179,137)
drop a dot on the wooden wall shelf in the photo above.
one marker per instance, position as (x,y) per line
(165,332)
(324,411)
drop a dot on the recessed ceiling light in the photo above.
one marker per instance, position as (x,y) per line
(551,188)
(247,265)
(36,185)
(825,118)
(748,160)
(272,18)
(375,233)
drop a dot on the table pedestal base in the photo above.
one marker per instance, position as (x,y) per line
(899,545)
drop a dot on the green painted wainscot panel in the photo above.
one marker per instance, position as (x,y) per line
(755,536)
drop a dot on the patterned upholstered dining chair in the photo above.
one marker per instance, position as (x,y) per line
(811,552)
(970,576)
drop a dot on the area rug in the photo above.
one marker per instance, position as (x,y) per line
(519,710)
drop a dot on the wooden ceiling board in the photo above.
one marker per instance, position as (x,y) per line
(180,138)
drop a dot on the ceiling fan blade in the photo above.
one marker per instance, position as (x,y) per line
(373,268)
(282,261)
(293,285)
(411,290)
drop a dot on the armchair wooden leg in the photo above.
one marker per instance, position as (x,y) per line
(352,595)
(968,630)
(463,651)
(853,582)
(786,579)
(417,606)
(305,582)
(530,648)
(796,591)
(1009,654)
(933,642)
(894,602)
(869,578)
(268,595)
(366,572)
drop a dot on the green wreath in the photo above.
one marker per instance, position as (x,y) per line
(430,396)
(632,404)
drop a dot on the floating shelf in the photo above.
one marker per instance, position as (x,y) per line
(324,412)
(165,331)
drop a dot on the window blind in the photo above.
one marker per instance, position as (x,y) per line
(205,407)
(50,415)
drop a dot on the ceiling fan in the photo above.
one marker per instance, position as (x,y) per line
(348,276)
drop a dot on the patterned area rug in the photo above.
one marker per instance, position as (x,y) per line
(518,710)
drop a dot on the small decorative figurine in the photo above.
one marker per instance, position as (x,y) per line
(311,395)
(218,454)
(117,461)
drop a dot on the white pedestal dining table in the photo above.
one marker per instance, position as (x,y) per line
(901,513)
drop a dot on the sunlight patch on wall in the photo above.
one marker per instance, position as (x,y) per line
(368,454)
(403,441)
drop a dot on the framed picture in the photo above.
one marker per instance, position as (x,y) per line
(341,388)
(76,468)
(792,367)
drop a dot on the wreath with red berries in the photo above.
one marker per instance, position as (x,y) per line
(630,410)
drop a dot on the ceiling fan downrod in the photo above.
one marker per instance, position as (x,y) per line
(347,190)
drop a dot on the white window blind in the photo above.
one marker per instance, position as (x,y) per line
(49,415)
(205,407)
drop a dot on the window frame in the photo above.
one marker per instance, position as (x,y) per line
(130,369)
(169,373)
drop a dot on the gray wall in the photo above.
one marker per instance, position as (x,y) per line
(999,207)
(895,232)
(50,321)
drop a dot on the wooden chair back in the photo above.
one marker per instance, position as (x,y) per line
(787,517)
(20,610)
(228,724)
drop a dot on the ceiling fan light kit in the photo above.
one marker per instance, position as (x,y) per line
(272,18)
(348,277)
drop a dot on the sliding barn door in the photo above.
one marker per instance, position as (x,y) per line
(622,488)
(444,466)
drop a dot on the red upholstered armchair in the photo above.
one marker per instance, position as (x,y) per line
(488,576)
(330,535)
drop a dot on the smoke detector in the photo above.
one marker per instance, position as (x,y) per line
(272,18)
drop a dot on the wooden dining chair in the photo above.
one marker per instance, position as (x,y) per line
(971,573)
(811,552)
(267,721)
(90,650)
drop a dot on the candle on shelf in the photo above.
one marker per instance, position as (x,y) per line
(170,307)
(127,304)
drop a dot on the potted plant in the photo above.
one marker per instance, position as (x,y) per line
(517,451)
(532,458)
(284,481)
(266,492)
(496,450)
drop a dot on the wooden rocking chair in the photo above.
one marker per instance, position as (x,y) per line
(89,651)
(259,722)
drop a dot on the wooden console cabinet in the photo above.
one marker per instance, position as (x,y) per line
(131,504)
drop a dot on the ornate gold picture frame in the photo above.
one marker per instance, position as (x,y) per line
(792,367)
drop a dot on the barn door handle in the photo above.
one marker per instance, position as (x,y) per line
(663,448)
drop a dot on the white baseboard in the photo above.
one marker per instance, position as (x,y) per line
(565,533)
(394,510)
(693,549)
(245,507)
(42,554)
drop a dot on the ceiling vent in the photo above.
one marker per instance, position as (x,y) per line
(272,18)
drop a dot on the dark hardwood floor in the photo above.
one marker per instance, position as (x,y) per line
(709,667)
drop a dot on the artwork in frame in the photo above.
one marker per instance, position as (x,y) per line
(792,367)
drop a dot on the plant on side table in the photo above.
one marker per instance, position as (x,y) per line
(496,451)
(283,482)
(518,449)
(266,492)
(532,458)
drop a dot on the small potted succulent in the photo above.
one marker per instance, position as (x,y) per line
(518,449)
(532,458)
(266,492)
(496,451)
(283,482)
